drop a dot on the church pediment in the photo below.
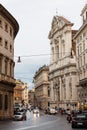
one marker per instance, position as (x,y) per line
(58,23)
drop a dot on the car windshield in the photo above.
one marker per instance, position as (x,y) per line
(18,114)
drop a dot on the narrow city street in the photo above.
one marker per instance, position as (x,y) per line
(38,121)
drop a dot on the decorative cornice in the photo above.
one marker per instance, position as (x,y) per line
(80,29)
(85,7)
(10,19)
(58,24)
(43,68)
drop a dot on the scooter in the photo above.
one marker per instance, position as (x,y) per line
(69,118)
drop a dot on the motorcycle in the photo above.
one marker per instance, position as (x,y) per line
(69,118)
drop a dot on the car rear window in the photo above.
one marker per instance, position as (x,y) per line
(18,114)
(80,116)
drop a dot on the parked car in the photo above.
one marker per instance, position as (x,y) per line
(19,116)
(79,120)
(36,110)
(75,112)
(84,112)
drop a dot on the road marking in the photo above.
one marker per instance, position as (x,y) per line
(42,124)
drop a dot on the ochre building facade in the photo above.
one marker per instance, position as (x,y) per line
(41,83)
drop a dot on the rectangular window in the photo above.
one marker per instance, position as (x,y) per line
(86,15)
(83,19)
(6,44)
(6,102)
(80,37)
(0,40)
(10,48)
(81,61)
(0,64)
(80,49)
(6,27)
(10,69)
(48,92)
(84,34)
(84,58)
(83,45)
(1,101)
(6,66)
(10,31)
(0,23)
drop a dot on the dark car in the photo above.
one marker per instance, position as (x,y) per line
(84,112)
(19,116)
(79,120)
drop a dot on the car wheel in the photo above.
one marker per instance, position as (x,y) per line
(73,126)
(25,118)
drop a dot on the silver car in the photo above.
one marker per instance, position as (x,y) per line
(19,116)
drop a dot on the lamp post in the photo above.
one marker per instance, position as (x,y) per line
(19,59)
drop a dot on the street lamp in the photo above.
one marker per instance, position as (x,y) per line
(19,59)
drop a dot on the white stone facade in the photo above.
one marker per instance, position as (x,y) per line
(62,70)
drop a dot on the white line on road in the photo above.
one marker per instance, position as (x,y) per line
(42,124)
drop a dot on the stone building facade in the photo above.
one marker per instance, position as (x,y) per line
(31,97)
(8,31)
(62,69)
(42,94)
(21,93)
(81,58)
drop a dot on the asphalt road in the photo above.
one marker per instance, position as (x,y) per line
(38,122)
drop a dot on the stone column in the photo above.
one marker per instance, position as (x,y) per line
(3,64)
(12,67)
(61,91)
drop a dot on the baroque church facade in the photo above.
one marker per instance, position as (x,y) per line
(62,69)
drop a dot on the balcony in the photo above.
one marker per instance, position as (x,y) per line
(7,79)
(83,82)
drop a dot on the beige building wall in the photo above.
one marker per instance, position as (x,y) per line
(81,54)
(62,69)
(8,31)
(42,87)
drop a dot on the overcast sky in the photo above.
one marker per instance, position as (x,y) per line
(35,18)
